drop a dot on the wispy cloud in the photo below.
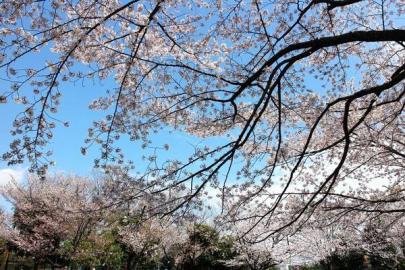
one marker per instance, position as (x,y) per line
(7,174)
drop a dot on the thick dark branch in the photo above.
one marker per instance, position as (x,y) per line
(316,44)
(335,4)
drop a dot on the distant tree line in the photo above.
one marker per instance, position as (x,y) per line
(67,221)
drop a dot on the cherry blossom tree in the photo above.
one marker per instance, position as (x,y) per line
(70,220)
(307,95)
(367,243)
(150,242)
(49,214)
(328,236)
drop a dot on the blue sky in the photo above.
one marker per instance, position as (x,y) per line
(67,141)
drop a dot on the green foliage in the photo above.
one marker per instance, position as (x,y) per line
(226,247)
(357,260)
(351,260)
(95,250)
(206,249)
(203,235)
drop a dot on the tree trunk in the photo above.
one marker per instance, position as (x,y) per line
(129,262)
(4,264)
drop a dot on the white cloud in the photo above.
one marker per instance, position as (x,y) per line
(7,174)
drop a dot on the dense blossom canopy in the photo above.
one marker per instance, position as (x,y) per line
(307,97)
